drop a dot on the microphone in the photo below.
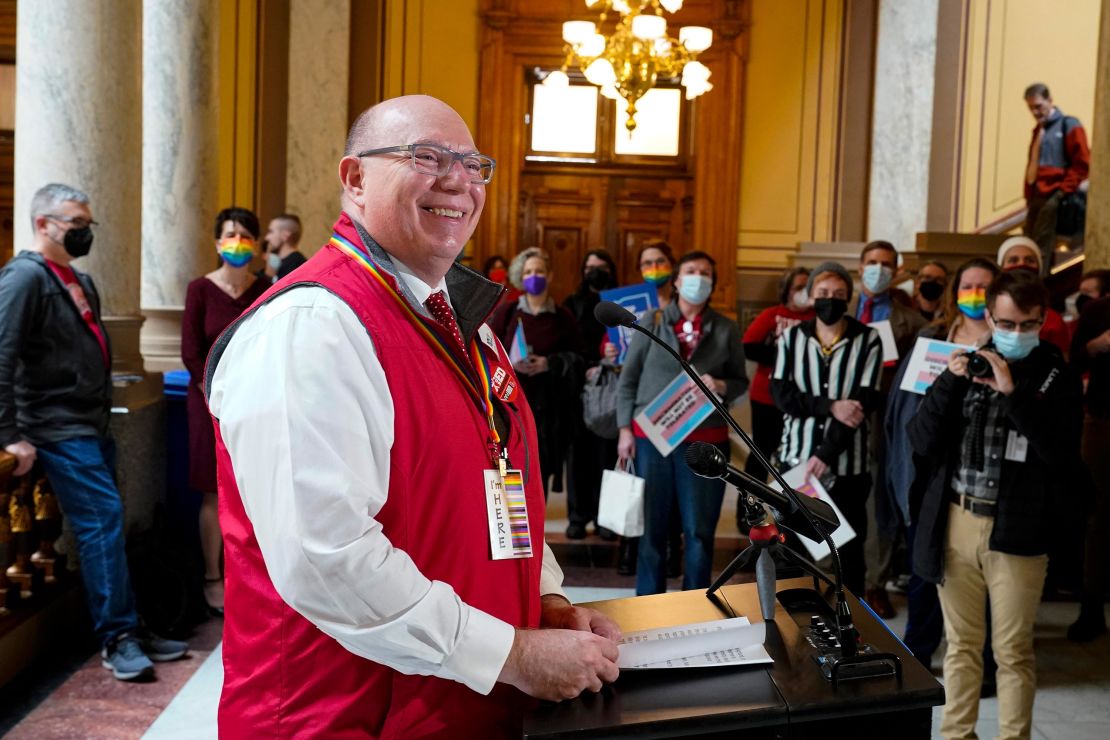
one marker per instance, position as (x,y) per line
(613,315)
(708,462)
(610,314)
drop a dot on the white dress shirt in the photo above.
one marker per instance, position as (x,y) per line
(301,399)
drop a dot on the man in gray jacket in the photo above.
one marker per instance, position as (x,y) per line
(55,397)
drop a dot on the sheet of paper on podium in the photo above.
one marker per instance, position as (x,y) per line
(722,642)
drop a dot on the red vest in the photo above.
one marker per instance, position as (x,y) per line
(283,677)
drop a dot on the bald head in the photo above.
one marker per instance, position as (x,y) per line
(420,218)
(381,125)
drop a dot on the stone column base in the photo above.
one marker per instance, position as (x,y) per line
(160,341)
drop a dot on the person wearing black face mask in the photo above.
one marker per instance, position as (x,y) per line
(827,404)
(589,454)
(55,400)
(929,289)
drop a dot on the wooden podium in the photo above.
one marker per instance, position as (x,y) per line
(787,699)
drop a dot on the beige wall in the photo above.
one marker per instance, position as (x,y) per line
(790,128)
(1006,46)
(431,47)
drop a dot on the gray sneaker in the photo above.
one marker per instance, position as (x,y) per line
(161,649)
(124,657)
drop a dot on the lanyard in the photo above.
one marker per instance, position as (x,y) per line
(483,392)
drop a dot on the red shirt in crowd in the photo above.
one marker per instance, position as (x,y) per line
(765,330)
(65,274)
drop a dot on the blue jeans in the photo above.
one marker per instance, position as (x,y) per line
(667,481)
(81,471)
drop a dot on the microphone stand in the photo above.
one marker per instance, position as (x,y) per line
(848,636)
(767,541)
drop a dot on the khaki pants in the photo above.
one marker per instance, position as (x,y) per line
(1013,583)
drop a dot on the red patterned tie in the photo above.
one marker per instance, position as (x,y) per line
(441,311)
(868,304)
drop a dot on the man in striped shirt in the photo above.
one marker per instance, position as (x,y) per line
(826,383)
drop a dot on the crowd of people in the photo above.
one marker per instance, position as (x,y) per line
(949,489)
(952,486)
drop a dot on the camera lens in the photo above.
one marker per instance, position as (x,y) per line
(977,365)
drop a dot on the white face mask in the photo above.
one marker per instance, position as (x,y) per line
(273,260)
(695,288)
(877,278)
(800,298)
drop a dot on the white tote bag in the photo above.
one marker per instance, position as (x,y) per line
(621,507)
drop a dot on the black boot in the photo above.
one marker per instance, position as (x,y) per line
(1091,624)
(629,551)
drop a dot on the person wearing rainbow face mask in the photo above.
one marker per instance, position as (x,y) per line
(212,302)
(961,318)
(1001,458)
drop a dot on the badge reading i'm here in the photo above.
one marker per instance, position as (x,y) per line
(508,515)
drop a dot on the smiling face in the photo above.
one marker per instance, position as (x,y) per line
(421,219)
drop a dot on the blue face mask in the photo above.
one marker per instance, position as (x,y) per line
(876,278)
(1015,345)
(695,288)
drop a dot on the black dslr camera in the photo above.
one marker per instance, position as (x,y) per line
(978,366)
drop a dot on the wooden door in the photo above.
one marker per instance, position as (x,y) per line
(569,214)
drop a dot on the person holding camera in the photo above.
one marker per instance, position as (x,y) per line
(962,319)
(999,432)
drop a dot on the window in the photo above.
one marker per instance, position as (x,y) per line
(575,125)
(564,119)
(658,114)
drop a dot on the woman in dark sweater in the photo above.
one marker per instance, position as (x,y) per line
(589,454)
(212,302)
(551,371)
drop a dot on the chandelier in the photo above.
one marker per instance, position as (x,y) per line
(627,63)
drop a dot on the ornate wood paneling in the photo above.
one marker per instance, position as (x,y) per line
(518,35)
(7,31)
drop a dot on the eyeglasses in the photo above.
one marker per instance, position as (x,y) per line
(429,159)
(76,221)
(1026,326)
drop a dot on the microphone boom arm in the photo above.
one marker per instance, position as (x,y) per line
(843,613)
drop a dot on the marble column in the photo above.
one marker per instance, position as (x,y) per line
(179,168)
(79,120)
(318,75)
(905,68)
(1098,197)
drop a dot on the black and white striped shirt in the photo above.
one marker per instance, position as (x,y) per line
(806,382)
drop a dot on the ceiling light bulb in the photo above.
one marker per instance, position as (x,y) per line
(558,78)
(649,27)
(695,71)
(575,32)
(671,6)
(695,38)
(621,6)
(600,72)
(592,46)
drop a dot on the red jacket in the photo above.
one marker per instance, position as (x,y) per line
(283,677)
(1065,157)
(760,342)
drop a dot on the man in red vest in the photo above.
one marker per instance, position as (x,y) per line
(379,483)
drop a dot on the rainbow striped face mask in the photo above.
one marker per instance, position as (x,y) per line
(656,275)
(972,302)
(237,250)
